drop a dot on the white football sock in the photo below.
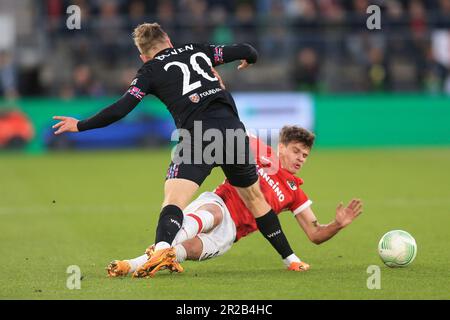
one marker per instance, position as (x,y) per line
(292,258)
(181,253)
(137,262)
(200,221)
(162,245)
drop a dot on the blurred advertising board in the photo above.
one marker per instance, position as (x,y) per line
(274,110)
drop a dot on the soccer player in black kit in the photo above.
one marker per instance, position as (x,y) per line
(183,79)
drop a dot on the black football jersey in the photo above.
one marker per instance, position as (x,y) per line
(182,79)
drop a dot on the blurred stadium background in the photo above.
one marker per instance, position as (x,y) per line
(378,100)
(318,48)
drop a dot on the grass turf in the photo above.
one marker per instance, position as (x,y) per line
(86,209)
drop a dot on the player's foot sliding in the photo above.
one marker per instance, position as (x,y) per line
(158,260)
(118,268)
(298,266)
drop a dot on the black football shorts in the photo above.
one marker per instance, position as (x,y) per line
(218,139)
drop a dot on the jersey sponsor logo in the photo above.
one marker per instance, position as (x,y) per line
(274,185)
(292,185)
(195,98)
(210,92)
(133,83)
(136,92)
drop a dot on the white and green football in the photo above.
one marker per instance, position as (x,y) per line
(397,248)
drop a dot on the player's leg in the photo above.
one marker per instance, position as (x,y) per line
(120,268)
(214,241)
(266,219)
(201,216)
(243,176)
(190,249)
(177,194)
(199,220)
(210,244)
(182,181)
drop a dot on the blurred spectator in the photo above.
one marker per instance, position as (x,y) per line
(433,74)
(377,72)
(395,24)
(361,40)
(110,32)
(54,11)
(136,14)
(332,11)
(305,22)
(8,81)
(222,32)
(84,84)
(275,40)
(418,20)
(245,23)
(165,16)
(305,70)
(359,15)
(414,39)
(443,16)
(195,17)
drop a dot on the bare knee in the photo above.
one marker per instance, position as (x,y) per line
(178,192)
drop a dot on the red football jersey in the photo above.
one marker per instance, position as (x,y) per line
(280,188)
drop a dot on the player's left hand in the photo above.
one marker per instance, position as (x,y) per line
(244,64)
(345,215)
(66,124)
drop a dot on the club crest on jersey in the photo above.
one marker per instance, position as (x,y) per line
(195,98)
(292,184)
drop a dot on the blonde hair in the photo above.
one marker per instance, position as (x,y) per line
(148,35)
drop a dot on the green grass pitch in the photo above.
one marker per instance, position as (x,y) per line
(86,209)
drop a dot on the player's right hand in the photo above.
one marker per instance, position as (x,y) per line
(66,124)
(345,215)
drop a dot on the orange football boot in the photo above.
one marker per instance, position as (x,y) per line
(298,266)
(158,260)
(118,268)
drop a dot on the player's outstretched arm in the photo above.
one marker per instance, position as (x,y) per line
(244,52)
(318,233)
(109,115)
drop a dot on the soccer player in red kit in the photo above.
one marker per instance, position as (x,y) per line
(215,220)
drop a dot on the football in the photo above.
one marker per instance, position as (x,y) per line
(397,248)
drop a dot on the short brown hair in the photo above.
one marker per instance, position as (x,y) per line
(290,134)
(146,35)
